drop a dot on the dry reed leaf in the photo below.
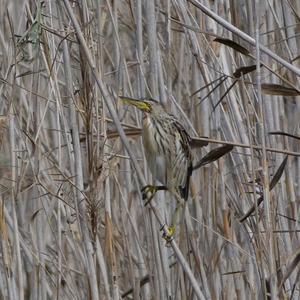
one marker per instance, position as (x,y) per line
(35,214)
(285,134)
(278,174)
(251,210)
(273,182)
(142,282)
(218,80)
(235,46)
(221,80)
(224,95)
(295,58)
(27,73)
(279,90)
(213,155)
(31,140)
(227,224)
(244,70)
(290,269)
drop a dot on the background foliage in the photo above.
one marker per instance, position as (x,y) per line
(72,220)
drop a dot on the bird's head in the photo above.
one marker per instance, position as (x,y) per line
(147,106)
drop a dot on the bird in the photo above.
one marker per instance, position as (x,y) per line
(168,153)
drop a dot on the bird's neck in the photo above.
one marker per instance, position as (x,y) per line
(147,123)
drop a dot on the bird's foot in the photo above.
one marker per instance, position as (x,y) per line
(168,232)
(148,189)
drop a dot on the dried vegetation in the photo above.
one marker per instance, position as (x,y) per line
(72,220)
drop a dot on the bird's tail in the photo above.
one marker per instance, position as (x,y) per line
(184,191)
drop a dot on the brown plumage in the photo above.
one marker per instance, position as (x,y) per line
(168,153)
(167,148)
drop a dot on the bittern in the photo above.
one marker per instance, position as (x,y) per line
(168,153)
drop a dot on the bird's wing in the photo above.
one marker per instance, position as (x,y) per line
(185,139)
(186,158)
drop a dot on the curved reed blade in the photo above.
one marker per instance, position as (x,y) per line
(273,182)
(279,90)
(213,155)
(235,46)
(285,134)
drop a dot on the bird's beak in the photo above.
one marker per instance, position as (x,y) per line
(140,104)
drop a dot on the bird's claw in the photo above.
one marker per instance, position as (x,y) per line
(148,189)
(168,232)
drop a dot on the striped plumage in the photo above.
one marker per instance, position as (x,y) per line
(167,149)
(168,153)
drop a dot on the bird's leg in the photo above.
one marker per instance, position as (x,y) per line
(152,189)
(170,230)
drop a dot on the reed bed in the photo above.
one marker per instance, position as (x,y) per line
(73,224)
